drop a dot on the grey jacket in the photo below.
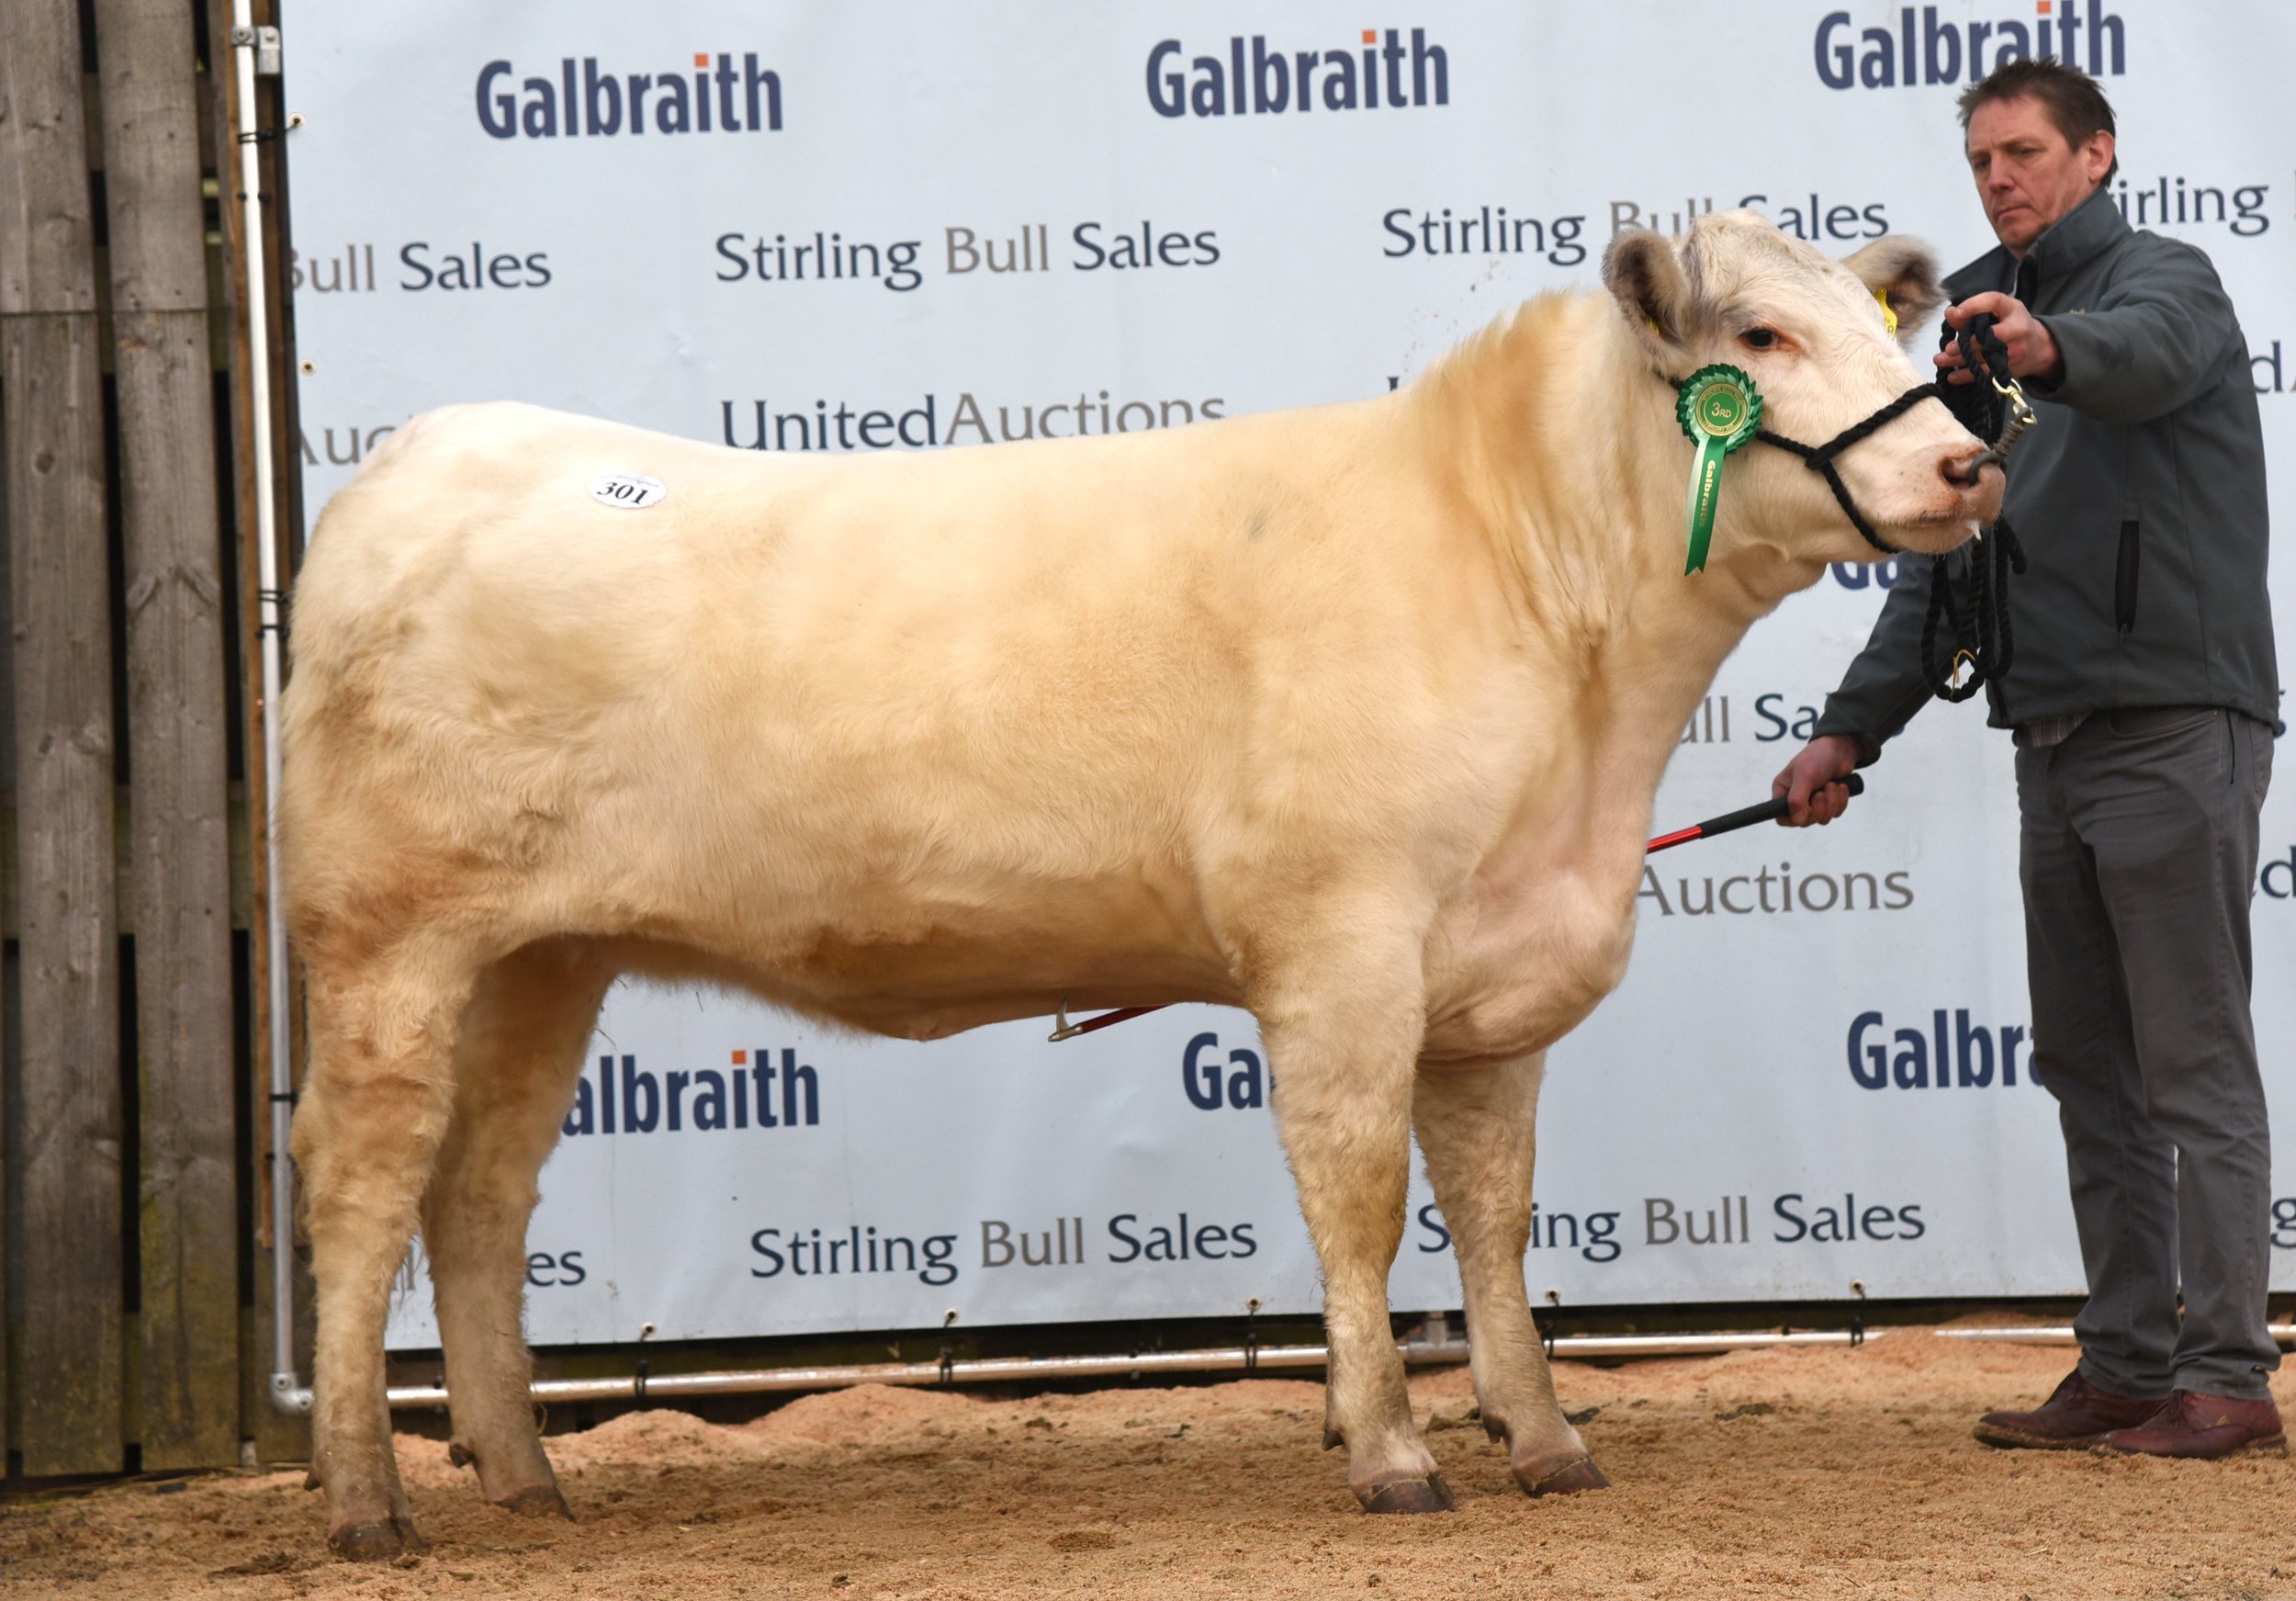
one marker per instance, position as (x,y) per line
(2138,495)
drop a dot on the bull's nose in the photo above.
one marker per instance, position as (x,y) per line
(1976,481)
(1960,468)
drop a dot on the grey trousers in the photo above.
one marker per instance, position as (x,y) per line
(2139,854)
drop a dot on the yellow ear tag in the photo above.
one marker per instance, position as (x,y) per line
(1889,316)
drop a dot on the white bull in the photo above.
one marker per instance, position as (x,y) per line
(1351,715)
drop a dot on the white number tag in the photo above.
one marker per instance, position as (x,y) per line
(630,491)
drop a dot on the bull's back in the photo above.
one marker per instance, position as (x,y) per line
(911,607)
(913,556)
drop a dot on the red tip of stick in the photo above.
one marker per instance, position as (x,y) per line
(1679,836)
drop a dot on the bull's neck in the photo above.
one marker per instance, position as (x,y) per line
(1587,470)
(1678,627)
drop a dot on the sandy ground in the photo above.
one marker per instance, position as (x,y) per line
(1830,1472)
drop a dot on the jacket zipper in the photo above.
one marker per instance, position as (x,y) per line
(2124,579)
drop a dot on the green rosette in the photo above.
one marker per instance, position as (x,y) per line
(1720,411)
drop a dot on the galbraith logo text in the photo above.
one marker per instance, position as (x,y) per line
(633,1100)
(1927,51)
(1280,80)
(596,105)
(1960,1054)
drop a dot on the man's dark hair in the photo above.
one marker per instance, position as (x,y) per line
(2074,101)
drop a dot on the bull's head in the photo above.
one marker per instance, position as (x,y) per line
(1815,336)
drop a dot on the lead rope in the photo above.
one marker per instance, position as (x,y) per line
(1982,645)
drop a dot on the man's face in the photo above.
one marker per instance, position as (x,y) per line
(2028,175)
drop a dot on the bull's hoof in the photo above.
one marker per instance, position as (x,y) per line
(1427,1495)
(1569,1478)
(538,1501)
(376,1542)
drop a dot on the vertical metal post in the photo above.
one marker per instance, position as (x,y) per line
(270,622)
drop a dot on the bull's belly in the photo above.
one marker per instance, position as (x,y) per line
(917,994)
(930,981)
(923,962)
(1506,989)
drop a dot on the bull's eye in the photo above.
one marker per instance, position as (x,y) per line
(1759,338)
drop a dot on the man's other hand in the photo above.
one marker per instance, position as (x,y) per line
(2032,352)
(1810,783)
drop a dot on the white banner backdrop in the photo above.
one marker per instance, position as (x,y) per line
(855,228)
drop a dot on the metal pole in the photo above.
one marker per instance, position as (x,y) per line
(1444,1349)
(2062,1333)
(268,628)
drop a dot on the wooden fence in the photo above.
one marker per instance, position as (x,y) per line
(133,1115)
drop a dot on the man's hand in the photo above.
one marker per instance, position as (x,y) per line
(1809,782)
(2032,352)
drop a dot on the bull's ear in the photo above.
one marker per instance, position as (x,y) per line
(1642,270)
(1902,272)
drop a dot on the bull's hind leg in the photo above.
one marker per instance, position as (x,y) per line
(1477,1126)
(373,1109)
(521,1047)
(1343,1026)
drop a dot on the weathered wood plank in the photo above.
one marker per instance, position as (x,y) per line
(180,871)
(45,238)
(243,891)
(148,70)
(69,1357)
(9,1160)
(182,883)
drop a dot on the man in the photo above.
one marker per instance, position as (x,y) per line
(2143,694)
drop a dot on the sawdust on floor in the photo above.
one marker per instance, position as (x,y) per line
(1820,1472)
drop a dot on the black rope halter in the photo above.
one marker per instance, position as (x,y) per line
(1819,459)
(1994,407)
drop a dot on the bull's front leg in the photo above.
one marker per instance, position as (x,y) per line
(1477,1127)
(1343,1026)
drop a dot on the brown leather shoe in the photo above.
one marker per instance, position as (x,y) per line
(2076,1416)
(2206,1426)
